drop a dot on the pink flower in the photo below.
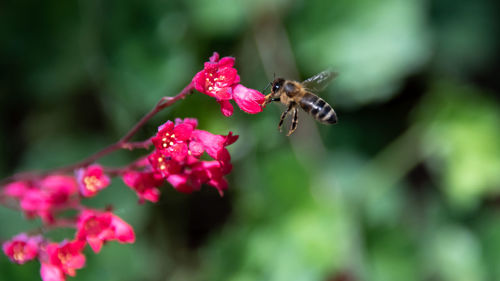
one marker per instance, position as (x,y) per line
(249,100)
(184,171)
(171,139)
(50,272)
(99,227)
(198,173)
(61,259)
(58,189)
(164,165)
(217,77)
(16,189)
(46,196)
(213,144)
(214,172)
(35,202)
(91,180)
(22,248)
(145,184)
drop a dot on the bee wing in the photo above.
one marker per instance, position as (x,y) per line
(319,81)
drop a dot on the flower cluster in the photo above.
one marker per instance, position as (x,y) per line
(219,79)
(183,156)
(176,159)
(43,198)
(61,259)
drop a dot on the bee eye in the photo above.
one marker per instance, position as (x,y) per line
(276,87)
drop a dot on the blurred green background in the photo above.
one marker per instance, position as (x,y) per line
(405,187)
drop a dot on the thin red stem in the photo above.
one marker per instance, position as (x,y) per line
(123,143)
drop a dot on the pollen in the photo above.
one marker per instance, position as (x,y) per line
(18,252)
(19,256)
(91,183)
(210,88)
(64,257)
(171,143)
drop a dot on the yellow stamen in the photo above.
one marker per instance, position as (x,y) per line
(18,252)
(91,183)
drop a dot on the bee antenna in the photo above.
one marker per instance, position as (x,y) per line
(268,84)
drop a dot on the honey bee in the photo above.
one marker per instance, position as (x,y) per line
(294,94)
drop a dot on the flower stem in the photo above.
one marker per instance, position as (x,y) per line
(123,143)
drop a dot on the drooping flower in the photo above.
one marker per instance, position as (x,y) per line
(145,184)
(249,100)
(198,173)
(58,189)
(99,227)
(91,180)
(48,195)
(35,203)
(62,259)
(213,144)
(22,248)
(16,189)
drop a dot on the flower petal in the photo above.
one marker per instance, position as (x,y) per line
(95,243)
(226,108)
(51,272)
(183,131)
(249,100)
(124,233)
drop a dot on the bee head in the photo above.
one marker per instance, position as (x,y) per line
(277,84)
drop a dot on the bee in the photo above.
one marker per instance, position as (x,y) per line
(294,94)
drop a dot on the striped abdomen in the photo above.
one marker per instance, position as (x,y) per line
(318,108)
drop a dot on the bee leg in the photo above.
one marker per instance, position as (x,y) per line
(295,120)
(283,115)
(268,99)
